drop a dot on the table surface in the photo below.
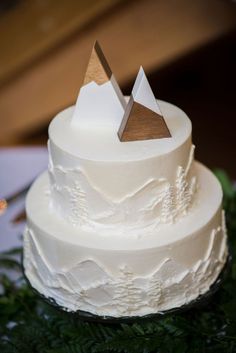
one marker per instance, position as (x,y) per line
(19,167)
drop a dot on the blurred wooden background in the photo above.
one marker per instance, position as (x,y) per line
(186,48)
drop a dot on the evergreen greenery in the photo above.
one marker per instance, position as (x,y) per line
(29,325)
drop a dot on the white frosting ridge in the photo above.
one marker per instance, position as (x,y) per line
(120,275)
(157,201)
(208,184)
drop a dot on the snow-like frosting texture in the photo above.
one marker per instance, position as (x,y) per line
(96,180)
(157,201)
(122,275)
(123,228)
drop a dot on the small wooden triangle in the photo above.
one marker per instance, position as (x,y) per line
(98,69)
(141,123)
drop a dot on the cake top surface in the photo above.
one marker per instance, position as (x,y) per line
(92,143)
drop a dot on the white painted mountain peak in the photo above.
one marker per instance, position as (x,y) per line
(100,103)
(142,93)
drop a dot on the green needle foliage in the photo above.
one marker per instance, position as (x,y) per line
(28,325)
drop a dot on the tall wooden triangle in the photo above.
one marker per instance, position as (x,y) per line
(98,69)
(141,123)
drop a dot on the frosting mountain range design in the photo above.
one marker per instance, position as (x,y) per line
(157,202)
(101,104)
(90,285)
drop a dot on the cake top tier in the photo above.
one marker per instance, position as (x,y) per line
(104,125)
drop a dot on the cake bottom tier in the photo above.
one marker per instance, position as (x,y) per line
(125,275)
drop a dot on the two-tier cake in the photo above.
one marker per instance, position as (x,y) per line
(124,222)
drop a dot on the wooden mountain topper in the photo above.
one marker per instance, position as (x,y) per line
(98,69)
(142,119)
(100,101)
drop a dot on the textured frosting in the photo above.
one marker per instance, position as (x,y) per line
(122,228)
(118,274)
(97,181)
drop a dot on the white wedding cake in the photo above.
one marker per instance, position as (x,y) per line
(124,222)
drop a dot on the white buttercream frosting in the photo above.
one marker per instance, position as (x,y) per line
(103,145)
(157,201)
(123,275)
(123,228)
(97,180)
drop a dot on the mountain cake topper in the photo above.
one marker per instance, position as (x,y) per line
(98,69)
(100,104)
(142,119)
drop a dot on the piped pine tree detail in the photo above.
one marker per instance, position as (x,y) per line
(191,191)
(178,198)
(126,290)
(79,211)
(168,206)
(154,293)
(181,191)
